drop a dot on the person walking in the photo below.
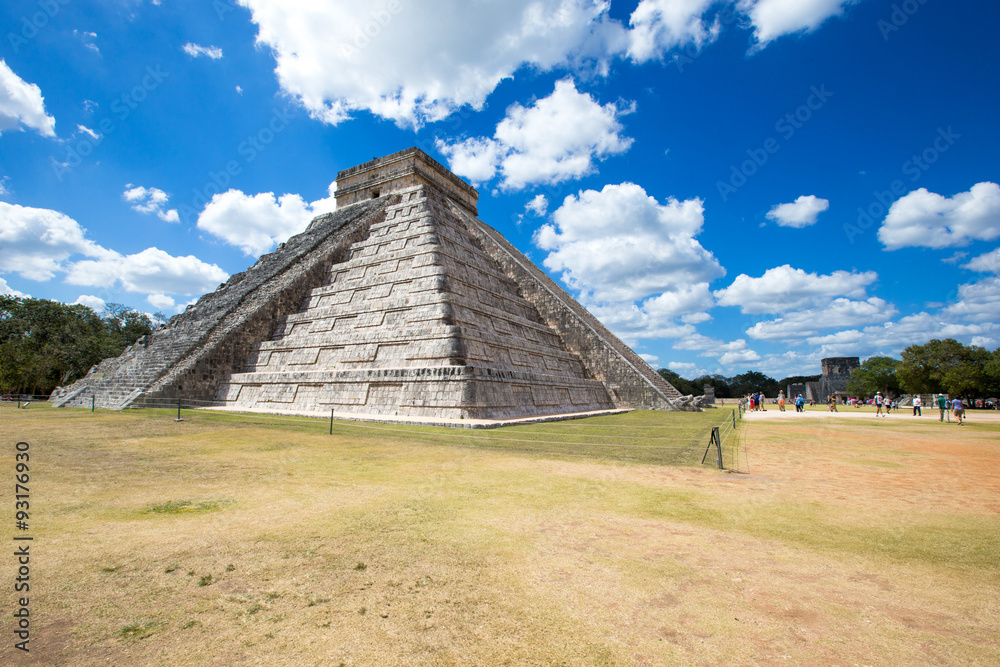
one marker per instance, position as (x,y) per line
(878,404)
(958,409)
(942,403)
(916,406)
(781,401)
(833,404)
(800,403)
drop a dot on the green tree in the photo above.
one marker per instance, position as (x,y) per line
(44,343)
(876,374)
(686,387)
(947,366)
(720,383)
(992,372)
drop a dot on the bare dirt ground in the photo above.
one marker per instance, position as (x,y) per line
(842,541)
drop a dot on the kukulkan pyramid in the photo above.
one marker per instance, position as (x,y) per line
(402,303)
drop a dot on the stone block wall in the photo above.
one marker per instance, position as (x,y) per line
(629,380)
(416,321)
(224,322)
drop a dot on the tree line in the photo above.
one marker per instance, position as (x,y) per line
(938,367)
(733,387)
(45,344)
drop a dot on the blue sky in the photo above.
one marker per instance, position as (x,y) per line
(733,185)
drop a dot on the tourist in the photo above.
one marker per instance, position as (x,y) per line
(750,402)
(942,402)
(833,404)
(800,403)
(916,406)
(781,401)
(958,409)
(878,404)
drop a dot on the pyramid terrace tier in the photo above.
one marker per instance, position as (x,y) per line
(431,327)
(449,392)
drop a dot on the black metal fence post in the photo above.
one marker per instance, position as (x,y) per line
(93,402)
(331,421)
(178,410)
(716,440)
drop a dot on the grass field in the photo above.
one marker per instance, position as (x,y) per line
(226,540)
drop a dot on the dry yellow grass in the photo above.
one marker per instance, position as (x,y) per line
(215,542)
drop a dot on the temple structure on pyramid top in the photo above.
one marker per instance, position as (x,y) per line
(401,302)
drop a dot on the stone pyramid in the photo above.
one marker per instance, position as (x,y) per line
(400,303)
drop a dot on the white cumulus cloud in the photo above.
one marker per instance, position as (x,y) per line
(929,220)
(661,25)
(151,271)
(402,62)
(21,103)
(687,369)
(257,223)
(399,61)
(840,313)
(986,263)
(39,243)
(539,205)
(161,301)
(774,18)
(7,290)
(803,212)
(620,244)
(784,289)
(195,50)
(95,303)
(150,200)
(736,357)
(476,158)
(556,139)
(36,242)
(892,337)
(977,302)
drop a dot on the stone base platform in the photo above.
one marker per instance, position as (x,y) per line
(419,421)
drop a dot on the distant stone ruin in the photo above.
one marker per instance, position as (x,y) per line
(399,303)
(833,381)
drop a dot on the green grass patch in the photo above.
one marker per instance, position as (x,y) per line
(138,631)
(185,507)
